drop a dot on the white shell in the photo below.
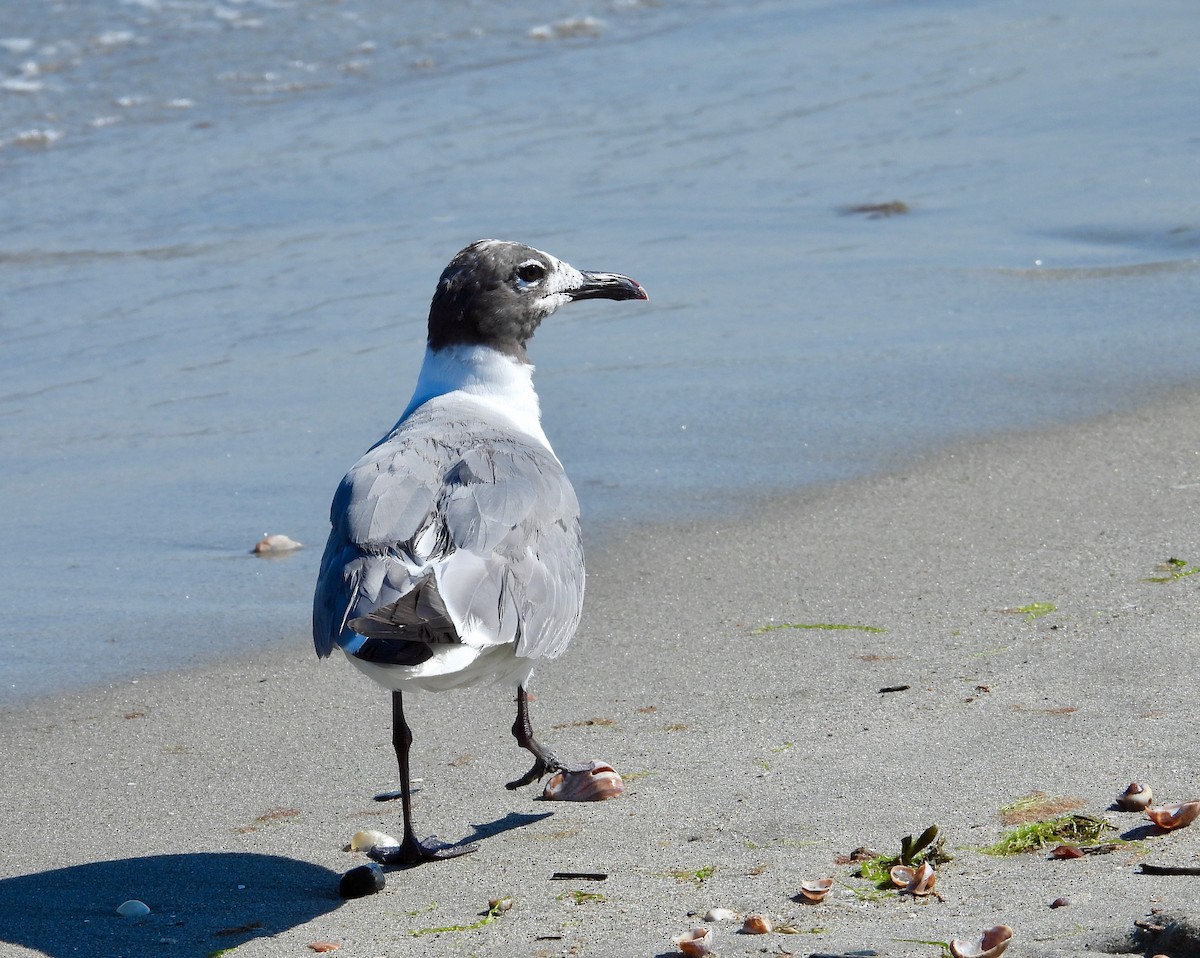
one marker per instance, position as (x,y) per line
(133,909)
(276,543)
(720,914)
(1136,797)
(696,942)
(991,944)
(364,841)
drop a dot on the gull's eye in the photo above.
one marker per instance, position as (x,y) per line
(531,272)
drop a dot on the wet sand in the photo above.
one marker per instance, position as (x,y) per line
(223,797)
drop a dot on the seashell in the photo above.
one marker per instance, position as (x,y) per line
(757,925)
(594,782)
(1066,851)
(133,909)
(720,914)
(365,840)
(696,942)
(275,544)
(1174,816)
(901,875)
(361,881)
(991,944)
(915,881)
(499,905)
(1136,798)
(1060,903)
(815,889)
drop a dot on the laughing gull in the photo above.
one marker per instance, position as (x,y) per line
(455,556)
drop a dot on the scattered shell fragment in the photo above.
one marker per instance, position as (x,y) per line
(365,840)
(275,544)
(696,942)
(815,889)
(1136,798)
(721,914)
(915,881)
(595,782)
(757,925)
(323,946)
(361,881)
(499,905)
(991,944)
(1060,903)
(1066,851)
(1174,816)
(133,909)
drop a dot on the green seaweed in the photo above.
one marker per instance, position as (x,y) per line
(1176,569)
(926,847)
(1035,610)
(493,912)
(943,945)
(697,877)
(1076,829)
(822,626)
(581,897)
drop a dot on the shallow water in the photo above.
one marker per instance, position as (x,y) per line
(212,304)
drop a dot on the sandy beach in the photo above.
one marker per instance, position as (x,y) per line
(754,758)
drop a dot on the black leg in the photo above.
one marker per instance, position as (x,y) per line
(411,851)
(544,760)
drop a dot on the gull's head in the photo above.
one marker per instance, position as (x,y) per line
(496,293)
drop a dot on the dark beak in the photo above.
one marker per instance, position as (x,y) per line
(608,286)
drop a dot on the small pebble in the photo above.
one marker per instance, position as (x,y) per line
(361,881)
(1059,903)
(133,909)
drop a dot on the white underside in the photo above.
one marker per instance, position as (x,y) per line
(451,667)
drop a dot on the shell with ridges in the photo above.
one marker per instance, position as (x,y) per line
(757,925)
(595,782)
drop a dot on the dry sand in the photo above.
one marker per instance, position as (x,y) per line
(223,797)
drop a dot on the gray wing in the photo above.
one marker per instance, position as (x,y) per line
(451,529)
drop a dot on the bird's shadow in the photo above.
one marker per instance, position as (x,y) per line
(504,824)
(199,903)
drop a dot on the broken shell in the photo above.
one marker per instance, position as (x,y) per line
(990,945)
(720,914)
(1136,798)
(816,889)
(133,909)
(1066,851)
(757,925)
(915,881)
(364,841)
(276,543)
(594,782)
(499,905)
(1174,816)
(696,942)
(923,880)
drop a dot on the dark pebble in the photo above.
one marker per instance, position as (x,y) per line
(361,881)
